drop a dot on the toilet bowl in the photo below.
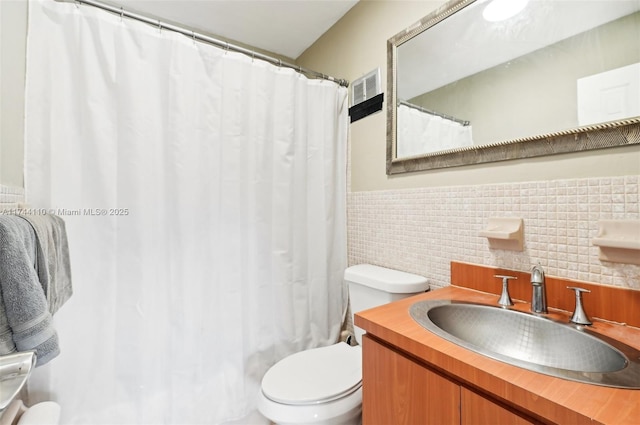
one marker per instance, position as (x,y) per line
(323,385)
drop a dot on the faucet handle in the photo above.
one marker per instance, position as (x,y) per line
(505,299)
(579,316)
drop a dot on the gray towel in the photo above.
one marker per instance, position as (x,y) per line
(24,305)
(6,336)
(53,266)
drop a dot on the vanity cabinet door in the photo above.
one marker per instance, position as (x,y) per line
(399,391)
(478,410)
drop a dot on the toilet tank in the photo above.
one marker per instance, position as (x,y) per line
(371,286)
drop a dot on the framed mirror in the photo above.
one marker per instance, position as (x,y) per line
(467,86)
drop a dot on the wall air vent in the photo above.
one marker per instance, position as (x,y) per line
(365,87)
(366,95)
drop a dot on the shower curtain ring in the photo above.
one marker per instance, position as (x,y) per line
(280,63)
(193,36)
(226,48)
(121,13)
(159,26)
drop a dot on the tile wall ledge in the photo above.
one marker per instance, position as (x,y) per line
(631,178)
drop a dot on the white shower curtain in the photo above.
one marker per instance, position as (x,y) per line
(420,132)
(204,196)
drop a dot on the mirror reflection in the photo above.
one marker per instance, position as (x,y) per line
(477,78)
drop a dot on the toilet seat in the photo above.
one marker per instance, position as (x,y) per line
(315,376)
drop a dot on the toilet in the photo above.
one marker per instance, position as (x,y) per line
(324,385)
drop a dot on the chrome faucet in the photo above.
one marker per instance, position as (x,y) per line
(538,299)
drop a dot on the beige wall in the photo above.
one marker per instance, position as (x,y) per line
(420,222)
(357,44)
(13,37)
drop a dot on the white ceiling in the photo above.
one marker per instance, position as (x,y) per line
(285,27)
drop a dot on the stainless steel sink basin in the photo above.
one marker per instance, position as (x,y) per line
(532,342)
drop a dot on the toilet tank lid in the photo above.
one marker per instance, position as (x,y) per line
(384,279)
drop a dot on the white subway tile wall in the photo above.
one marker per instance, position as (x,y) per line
(422,230)
(10,194)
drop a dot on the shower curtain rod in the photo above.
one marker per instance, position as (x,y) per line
(206,39)
(437,114)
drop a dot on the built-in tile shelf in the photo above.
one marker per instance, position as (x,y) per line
(619,241)
(505,233)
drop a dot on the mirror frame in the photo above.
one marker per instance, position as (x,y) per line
(598,136)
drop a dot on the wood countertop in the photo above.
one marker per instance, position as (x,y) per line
(546,398)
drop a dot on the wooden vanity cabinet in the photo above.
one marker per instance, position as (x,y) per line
(396,390)
(400,391)
(476,409)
